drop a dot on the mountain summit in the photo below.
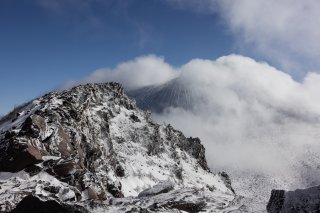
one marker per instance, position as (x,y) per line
(90,149)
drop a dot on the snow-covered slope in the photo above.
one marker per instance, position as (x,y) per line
(91,143)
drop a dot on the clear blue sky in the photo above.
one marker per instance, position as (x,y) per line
(44,43)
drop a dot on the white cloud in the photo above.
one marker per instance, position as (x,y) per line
(285,32)
(281,30)
(252,118)
(140,72)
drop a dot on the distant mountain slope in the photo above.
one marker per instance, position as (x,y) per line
(157,98)
(91,149)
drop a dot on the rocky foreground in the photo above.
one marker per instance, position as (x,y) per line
(300,200)
(89,149)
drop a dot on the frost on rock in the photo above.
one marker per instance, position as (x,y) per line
(91,146)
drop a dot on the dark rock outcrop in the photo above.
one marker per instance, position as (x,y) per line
(226,180)
(276,201)
(35,205)
(300,200)
(162,187)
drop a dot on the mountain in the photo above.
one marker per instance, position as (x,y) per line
(90,149)
(156,98)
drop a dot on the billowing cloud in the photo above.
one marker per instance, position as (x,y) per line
(284,32)
(140,72)
(254,119)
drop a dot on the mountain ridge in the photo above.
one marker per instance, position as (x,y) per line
(91,143)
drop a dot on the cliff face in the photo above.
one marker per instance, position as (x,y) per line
(300,200)
(91,147)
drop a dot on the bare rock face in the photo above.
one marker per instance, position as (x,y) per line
(90,145)
(301,200)
(276,201)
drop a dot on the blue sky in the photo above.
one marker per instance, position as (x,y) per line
(43,46)
(44,43)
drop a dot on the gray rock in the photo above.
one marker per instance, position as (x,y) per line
(300,200)
(162,187)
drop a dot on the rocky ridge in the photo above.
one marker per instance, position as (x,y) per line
(92,147)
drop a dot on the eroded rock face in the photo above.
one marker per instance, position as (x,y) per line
(91,144)
(301,200)
(16,156)
(276,201)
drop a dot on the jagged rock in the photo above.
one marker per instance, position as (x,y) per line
(65,168)
(134,118)
(115,189)
(33,169)
(276,201)
(92,195)
(119,171)
(162,187)
(195,147)
(300,200)
(16,156)
(226,180)
(92,143)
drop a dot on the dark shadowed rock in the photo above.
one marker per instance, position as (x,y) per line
(115,189)
(35,205)
(162,187)
(300,200)
(16,156)
(92,194)
(276,201)
(226,180)
(195,147)
(191,207)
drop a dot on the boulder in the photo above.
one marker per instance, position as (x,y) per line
(162,187)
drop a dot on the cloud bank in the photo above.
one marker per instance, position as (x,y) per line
(284,32)
(253,118)
(140,72)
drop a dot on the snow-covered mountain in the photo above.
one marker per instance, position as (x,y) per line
(91,149)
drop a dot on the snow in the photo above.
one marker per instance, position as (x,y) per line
(9,175)
(105,126)
(46,158)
